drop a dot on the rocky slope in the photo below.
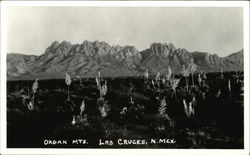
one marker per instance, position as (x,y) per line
(88,58)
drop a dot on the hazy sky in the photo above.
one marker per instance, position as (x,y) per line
(215,30)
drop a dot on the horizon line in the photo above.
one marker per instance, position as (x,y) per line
(114,45)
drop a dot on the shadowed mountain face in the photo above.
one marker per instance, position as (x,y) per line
(88,58)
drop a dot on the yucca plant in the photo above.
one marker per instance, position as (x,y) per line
(97,82)
(124,111)
(103,107)
(168,76)
(31,105)
(131,101)
(123,114)
(153,83)
(99,75)
(192,68)
(82,108)
(229,87)
(146,74)
(185,72)
(162,112)
(218,93)
(101,103)
(189,109)
(163,80)
(201,71)
(221,73)
(157,77)
(174,84)
(73,122)
(203,95)
(34,88)
(103,89)
(162,107)
(68,82)
(99,85)
(199,80)
(204,75)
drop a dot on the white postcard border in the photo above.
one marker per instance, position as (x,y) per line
(5,4)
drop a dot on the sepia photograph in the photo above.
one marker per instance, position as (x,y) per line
(140,76)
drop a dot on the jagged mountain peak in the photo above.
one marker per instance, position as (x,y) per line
(88,48)
(159,49)
(89,57)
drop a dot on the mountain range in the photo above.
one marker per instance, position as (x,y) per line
(88,58)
